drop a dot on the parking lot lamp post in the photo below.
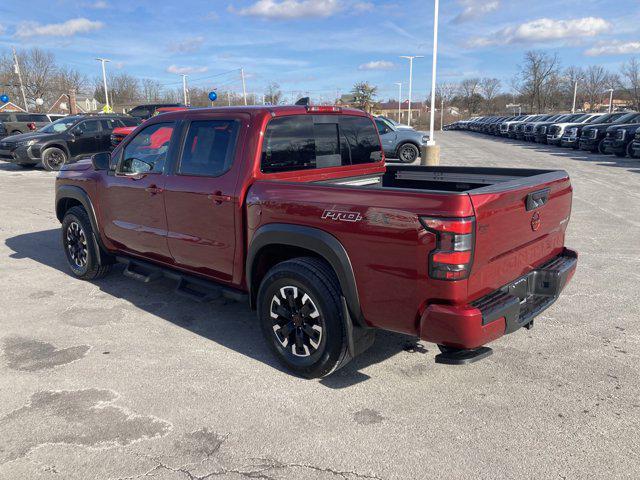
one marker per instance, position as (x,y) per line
(410,58)
(430,154)
(610,100)
(104,81)
(399,101)
(575,95)
(244,86)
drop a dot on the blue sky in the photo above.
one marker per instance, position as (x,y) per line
(319,46)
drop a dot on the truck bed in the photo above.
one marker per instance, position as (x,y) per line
(451,179)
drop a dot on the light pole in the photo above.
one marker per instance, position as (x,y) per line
(575,95)
(104,81)
(244,86)
(399,101)
(184,88)
(610,100)
(432,141)
(410,58)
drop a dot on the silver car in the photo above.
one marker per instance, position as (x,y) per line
(403,144)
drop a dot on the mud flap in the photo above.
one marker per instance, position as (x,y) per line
(359,339)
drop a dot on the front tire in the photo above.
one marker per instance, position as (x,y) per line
(79,246)
(299,310)
(53,158)
(408,153)
(630,151)
(601,148)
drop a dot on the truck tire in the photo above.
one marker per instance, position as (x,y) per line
(408,153)
(300,314)
(53,158)
(623,154)
(79,247)
(601,148)
(630,151)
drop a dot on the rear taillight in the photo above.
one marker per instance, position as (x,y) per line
(453,255)
(31,126)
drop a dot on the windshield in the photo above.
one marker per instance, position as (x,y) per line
(627,118)
(59,126)
(600,119)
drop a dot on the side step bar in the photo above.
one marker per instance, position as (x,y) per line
(188,286)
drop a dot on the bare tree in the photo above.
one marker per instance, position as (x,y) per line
(273,95)
(490,87)
(594,85)
(538,78)
(631,75)
(572,81)
(469,95)
(151,90)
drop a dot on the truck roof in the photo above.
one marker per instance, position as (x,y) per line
(276,110)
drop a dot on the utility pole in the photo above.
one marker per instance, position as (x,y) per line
(104,81)
(399,101)
(410,58)
(244,86)
(17,69)
(575,95)
(442,114)
(184,89)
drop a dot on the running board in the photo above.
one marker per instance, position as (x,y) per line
(463,357)
(140,273)
(189,286)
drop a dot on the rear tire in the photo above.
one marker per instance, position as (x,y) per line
(79,245)
(53,159)
(408,153)
(300,314)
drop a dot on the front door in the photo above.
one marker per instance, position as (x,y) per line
(200,198)
(387,137)
(86,138)
(133,204)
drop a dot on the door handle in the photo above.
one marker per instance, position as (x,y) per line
(537,199)
(218,198)
(154,189)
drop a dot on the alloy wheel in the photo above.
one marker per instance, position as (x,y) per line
(77,245)
(297,323)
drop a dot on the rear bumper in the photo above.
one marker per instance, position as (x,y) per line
(502,312)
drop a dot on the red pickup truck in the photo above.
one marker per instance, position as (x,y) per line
(293,209)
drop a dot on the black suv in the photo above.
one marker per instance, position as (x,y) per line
(63,141)
(145,112)
(593,136)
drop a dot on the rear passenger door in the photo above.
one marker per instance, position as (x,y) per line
(200,195)
(107,124)
(86,138)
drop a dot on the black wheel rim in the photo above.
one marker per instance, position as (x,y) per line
(77,245)
(296,321)
(55,160)
(408,154)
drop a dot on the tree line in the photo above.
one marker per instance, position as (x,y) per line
(44,78)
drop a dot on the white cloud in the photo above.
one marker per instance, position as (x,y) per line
(377,65)
(363,6)
(99,5)
(64,29)
(188,45)
(290,9)
(614,48)
(545,30)
(474,9)
(185,70)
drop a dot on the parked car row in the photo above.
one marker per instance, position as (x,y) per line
(615,133)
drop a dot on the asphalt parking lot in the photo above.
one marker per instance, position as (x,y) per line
(121,380)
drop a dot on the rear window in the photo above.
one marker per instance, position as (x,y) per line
(34,118)
(129,122)
(209,148)
(303,142)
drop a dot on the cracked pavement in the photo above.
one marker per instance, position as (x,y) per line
(119,380)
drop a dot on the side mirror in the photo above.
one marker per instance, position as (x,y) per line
(101,161)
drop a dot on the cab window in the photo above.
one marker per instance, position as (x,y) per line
(209,148)
(302,142)
(88,127)
(147,151)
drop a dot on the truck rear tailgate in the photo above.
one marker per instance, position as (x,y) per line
(519,225)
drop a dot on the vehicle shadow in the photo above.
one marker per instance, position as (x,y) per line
(227,323)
